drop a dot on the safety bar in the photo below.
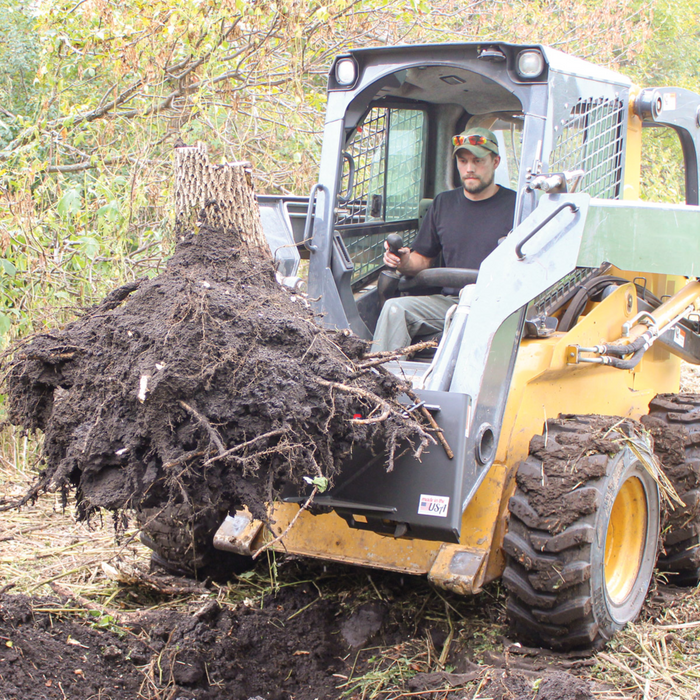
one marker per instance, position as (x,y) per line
(309,215)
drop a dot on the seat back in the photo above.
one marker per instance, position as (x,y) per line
(423,207)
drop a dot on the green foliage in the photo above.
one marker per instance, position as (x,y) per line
(384,673)
(662,177)
(93,95)
(670,55)
(18,58)
(106,622)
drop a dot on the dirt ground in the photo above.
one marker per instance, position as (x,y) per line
(307,639)
(81,617)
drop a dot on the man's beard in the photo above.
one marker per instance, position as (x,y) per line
(475,186)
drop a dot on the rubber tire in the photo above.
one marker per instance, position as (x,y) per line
(674,422)
(181,540)
(558,597)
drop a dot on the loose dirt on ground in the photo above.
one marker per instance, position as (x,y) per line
(86,619)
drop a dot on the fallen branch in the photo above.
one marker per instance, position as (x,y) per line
(34,492)
(168,585)
(374,359)
(65,592)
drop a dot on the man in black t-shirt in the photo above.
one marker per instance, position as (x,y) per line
(464,225)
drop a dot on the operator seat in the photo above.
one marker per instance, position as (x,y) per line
(423,207)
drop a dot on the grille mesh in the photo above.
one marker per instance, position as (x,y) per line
(368,151)
(557,295)
(591,139)
(384,133)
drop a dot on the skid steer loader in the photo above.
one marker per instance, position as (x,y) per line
(575,333)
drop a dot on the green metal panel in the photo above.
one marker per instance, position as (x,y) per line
(644,237)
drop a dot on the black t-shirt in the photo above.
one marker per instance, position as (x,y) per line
(465,231)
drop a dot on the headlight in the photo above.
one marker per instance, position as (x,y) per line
(530,64)
(345,72)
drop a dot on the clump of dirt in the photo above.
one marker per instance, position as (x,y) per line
(286,649)
(508,685)
(207,385)
(569,454)
(515,685)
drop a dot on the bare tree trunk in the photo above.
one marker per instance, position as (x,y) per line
(216,196)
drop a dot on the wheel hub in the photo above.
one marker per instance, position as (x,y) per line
(625,540)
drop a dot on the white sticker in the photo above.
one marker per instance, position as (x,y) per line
(679,337)
(433,505)
(669,100)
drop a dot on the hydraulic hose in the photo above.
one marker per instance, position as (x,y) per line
(589,290)
(643,342)
(631,363)
(665,317)
(613,355)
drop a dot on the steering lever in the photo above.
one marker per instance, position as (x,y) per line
(388,281)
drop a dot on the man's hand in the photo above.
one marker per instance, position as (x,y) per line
(407,261)
(396,260)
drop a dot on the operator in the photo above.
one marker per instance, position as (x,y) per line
(465,224)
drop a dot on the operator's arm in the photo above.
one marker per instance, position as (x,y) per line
(407,262)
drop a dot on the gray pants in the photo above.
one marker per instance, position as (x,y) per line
(404,318)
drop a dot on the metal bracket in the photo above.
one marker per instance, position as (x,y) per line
(573,356)
(458,568)
(237,533)
(557,183)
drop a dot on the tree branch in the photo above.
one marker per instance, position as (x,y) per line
(87,165)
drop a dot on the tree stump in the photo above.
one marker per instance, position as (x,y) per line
(219,197)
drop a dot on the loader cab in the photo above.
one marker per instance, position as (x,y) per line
(397,157)
(387,149)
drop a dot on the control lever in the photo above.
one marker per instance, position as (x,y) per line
(388,281)
(395,242)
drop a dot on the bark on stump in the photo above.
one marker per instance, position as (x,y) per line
(220,197)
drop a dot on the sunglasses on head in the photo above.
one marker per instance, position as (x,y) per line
(471,139)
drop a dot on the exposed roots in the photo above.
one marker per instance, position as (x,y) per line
(209,386)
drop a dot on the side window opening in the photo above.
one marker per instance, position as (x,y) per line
(663,166)
(591,139)
(381,185)
(405,164)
